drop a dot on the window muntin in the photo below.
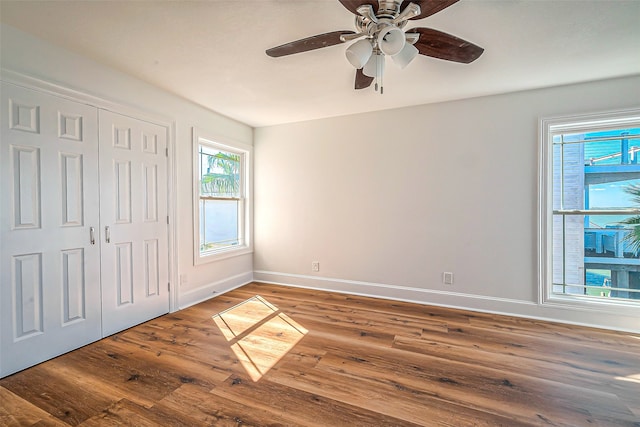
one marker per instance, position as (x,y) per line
(595,211)
(220,189)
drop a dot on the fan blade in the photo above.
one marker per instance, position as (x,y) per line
(362,81)
(428,7)
(353,5)
(309,43)
(445,46)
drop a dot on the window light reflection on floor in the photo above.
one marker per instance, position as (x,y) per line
(630,378)
(259,334)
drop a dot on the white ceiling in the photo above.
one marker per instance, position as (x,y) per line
(212,52)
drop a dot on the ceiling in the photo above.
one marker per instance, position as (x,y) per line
(212,52)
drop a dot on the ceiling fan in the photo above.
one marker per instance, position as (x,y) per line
(379,34)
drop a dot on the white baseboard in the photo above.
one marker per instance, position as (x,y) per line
(485,304)
(214,289)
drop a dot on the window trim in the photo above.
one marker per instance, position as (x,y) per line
(547,127)
(245,219)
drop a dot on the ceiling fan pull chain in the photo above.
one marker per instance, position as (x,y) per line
(380,71)
(382,76)
(377,71)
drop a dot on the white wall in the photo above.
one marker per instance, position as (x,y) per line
(387,201)
(24,54)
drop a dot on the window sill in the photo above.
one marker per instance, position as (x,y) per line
(621,307)
(222,254)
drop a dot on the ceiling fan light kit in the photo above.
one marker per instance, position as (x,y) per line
(391,40)
(359,53)
(380,33)
(371,67)
(406,55)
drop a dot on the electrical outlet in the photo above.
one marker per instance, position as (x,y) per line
(315,266)
(447,278)
(183,279)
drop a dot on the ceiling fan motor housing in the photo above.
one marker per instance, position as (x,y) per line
(388,8)
(387,11)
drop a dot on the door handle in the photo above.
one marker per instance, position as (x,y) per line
(107,234)
(92,235)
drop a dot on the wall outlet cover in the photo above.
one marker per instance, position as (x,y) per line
(447,278)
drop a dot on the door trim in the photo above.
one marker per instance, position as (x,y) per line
(34,83)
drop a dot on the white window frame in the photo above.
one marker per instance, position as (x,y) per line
(549,127)
(245,217)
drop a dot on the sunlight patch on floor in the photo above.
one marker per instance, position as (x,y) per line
(244,316)
(630,378)
(259,334)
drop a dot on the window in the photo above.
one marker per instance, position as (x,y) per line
(590,210)
(221,208)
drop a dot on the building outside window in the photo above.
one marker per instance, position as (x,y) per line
(590,209)
(221,189)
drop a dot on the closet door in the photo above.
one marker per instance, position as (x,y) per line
(49,261)
(133,214)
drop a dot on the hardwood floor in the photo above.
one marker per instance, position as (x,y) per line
(297,357)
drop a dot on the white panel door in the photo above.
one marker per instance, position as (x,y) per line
(133,215)
(49,267)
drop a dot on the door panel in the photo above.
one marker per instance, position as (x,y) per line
(49,270)
(133,213)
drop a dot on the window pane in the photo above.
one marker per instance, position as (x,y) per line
(596,256)
(218,224)
(598,172)
(219,172)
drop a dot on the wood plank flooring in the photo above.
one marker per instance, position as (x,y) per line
(299,357)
